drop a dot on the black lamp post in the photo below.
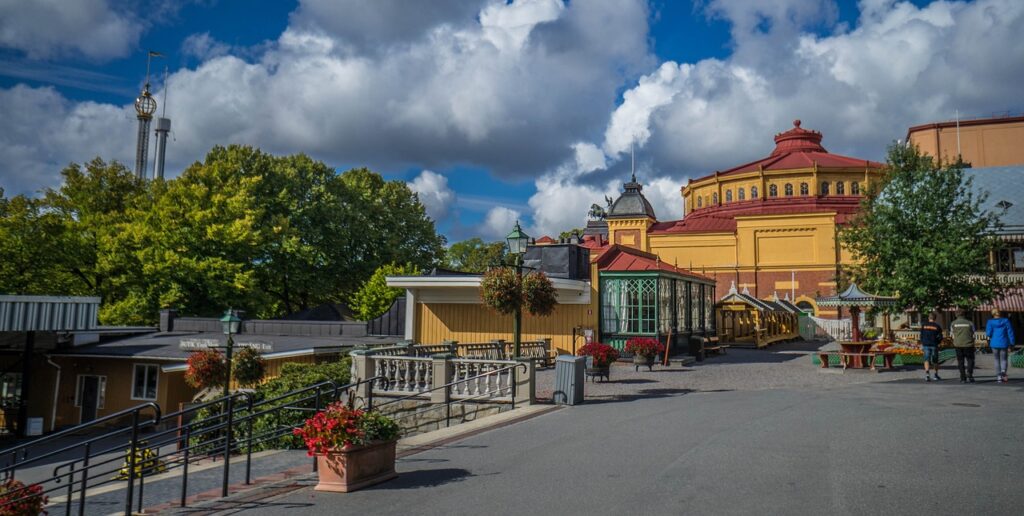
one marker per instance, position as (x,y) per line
(231,324)
(517,242)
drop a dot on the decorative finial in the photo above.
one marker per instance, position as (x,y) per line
(632,162)
(796,123)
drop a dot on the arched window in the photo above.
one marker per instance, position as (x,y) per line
(773,191)
(789,190)
(714,198)
(728,196)
(824,188)
(742,194)
(804,190)
(699,203)
(753,192)
(840,188)
(855,188)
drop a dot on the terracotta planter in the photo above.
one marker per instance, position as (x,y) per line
(356,467)
(642,360)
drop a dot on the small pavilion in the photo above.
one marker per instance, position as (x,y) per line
(854,298)
(743,318)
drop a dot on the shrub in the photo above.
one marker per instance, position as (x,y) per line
(146,462)
(602,354)
(248,367)
(206,368)
(644,346)
(17,499)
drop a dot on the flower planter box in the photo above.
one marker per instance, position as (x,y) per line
(355,467)
(641,360)
(597,372)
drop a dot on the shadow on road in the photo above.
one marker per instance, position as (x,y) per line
(639,395)
(424,478)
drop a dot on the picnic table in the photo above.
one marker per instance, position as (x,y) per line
(858,355)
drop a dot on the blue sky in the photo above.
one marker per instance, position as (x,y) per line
(497,110)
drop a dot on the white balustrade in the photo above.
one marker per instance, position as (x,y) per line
(403,374)
(479,383)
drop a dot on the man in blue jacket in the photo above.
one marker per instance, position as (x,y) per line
(1000,339)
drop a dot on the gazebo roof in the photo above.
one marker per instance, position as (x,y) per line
(854,296)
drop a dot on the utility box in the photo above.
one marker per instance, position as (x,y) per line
(34,426)
(569,379)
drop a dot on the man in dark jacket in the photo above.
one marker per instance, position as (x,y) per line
(962,331)
(931,334)
(1001,340)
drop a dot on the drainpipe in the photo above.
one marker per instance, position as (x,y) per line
(56,391)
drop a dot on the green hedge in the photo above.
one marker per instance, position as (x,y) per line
(899,360)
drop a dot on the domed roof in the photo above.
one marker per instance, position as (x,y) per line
(631,203)
(797,139)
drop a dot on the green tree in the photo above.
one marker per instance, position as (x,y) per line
(923,235)
(566,234)
(475,255)
(29,256)
(375,296)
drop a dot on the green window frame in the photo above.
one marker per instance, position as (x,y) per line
(629,305)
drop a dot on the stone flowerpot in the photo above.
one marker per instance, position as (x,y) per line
(643,360)
(355,467)
(597,372)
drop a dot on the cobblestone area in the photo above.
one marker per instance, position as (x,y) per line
(782,366)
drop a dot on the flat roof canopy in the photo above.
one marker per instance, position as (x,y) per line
(48,313)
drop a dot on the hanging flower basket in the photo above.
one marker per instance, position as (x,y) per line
(248,367)
(539,294)
(206,368)
(500,290)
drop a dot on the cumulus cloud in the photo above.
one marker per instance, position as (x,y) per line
(203,46)
(508,87)
(47,28)
(498,222)
(435,194)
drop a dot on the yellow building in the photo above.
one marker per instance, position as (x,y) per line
(981,142)
(769,226)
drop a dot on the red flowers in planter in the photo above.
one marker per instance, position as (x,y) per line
(23,500)
(645,346)
(602,354)
(206,368)
(338,426)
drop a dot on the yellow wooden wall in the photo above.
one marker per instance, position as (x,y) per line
(436,322)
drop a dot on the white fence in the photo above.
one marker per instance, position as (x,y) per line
(816,328)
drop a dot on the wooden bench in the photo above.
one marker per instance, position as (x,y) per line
(713,345)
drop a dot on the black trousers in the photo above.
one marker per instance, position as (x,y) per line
(962,355)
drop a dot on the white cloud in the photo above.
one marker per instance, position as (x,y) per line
(46,28)
(203,46)
(499,222)
(435,194)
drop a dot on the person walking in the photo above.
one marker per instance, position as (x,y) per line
(1000,339)
(962,331)
(931,335)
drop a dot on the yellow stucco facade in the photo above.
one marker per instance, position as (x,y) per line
(986,142)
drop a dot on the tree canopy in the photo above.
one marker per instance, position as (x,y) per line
(923,235)
(375,296)
(268,234)
(475,255)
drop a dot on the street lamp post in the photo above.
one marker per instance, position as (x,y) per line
(231,324)
(517,242)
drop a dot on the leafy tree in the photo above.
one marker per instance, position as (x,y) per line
(475,255)
(566,234)
(29,255)
(923,235)
(375,296)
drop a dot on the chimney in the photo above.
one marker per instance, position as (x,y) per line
(167,317)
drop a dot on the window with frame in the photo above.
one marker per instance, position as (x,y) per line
(101,390)
(824,188)
(753,192)
(699,202)
(709,308)
(714,198)
(773,191)
(1009,259)
(741,194)
(855,188)
(728,196)
(10,387)
(144,380)
(666,293)
(628,305)
(789,190)
(840,188)
(682,321)
(695,310)
(805,189)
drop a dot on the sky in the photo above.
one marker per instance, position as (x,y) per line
(495,111)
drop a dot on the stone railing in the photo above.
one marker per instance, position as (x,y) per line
(427,376)
(499,349)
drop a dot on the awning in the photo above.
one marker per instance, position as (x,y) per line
(1013,301)
(48,313)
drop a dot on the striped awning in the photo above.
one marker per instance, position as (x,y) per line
(1012,301)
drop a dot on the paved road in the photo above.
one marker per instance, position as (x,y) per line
(880,447)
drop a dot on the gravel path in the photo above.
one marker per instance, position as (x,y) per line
(778,367)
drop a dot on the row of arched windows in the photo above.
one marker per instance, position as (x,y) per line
(773,191)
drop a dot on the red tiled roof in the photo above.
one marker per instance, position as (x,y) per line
(544,240)
(723,218)
(619,258)
(799,148)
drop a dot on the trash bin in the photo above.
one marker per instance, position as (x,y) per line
(569,379)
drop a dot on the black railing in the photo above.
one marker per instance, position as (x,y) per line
(176,439)
(448,399)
